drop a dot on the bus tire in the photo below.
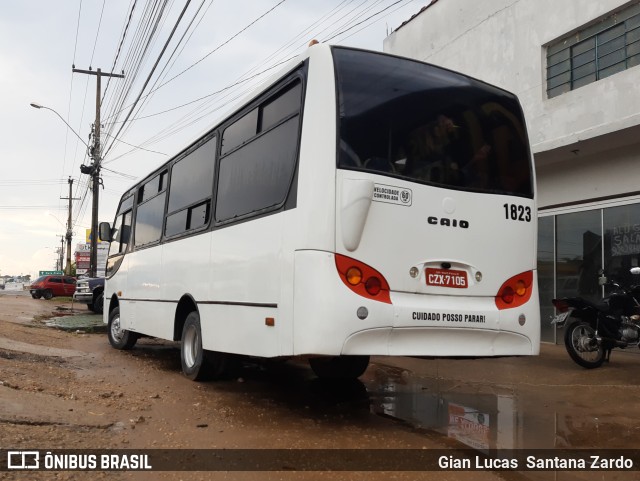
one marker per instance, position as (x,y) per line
(339,367)
(119,338)
(192,356)
(198,364)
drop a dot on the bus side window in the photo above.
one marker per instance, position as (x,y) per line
(122,232)
(257,175)
(191,190)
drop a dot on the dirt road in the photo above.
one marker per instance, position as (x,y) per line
(70,390)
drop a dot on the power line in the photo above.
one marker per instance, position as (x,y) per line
(151,73)
(135,146)
(30,207)
(122,39)
(193,117)
(213,51)
(97,32)
(208,95)
(224,43)
(163,72)
(362,21)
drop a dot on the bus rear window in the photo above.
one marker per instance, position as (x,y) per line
(407,119)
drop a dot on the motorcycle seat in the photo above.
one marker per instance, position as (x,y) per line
(600,306)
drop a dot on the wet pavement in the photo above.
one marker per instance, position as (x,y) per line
(544,402)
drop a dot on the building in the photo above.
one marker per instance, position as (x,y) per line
(574,66)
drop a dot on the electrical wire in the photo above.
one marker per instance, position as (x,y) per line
(163,72)
(98,31)
(212,51)
(122,39)
(151,73)
(342,28)
(362,21)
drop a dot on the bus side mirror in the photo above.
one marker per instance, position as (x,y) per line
(104,232)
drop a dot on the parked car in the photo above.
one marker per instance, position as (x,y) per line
(90,291)
(50,286)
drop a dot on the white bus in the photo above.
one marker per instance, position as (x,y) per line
(356,204)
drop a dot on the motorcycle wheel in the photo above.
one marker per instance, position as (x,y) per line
(581,344)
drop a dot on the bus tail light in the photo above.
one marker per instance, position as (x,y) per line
(515,291)
(362,279)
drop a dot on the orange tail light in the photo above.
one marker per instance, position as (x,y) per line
(362,279)
(515,291)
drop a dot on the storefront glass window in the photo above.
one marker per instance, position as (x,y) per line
(578,254)
(622,243)
(546,276)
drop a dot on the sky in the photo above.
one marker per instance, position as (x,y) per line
(213,54)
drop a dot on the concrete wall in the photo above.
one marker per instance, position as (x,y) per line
(588,177)
(502,42)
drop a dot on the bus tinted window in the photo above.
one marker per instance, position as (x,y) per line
(122,227)
(407,119)
(148,225)
(258,175)
(151,188)
(192,177)
(188,219)
(125,205)
(240,131)
(283,105)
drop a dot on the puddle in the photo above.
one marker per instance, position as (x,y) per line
(82,322)
(484,417)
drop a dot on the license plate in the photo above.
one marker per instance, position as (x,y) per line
(446,278)
(560,318)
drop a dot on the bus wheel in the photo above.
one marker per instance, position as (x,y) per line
(118,337)
(339,367)
(198,364)
(192,356)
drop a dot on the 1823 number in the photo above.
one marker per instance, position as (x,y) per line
(517,212)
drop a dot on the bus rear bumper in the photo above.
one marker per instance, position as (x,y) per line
(330,319)
(438,342)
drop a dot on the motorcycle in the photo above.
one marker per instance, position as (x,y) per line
(595,329)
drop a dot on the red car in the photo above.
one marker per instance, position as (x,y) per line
(49,286)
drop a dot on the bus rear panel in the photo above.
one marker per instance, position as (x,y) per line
(435,219)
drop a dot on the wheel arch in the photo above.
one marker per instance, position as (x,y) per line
(113,303)
(186,304)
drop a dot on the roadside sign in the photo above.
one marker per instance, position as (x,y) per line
(50,273)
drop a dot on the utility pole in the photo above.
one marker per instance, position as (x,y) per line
(69,233)
(61,252)
(94,169)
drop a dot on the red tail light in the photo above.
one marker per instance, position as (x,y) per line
(362,279)
(516,291)
(560,304)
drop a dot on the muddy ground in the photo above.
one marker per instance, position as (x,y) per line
(71,390)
